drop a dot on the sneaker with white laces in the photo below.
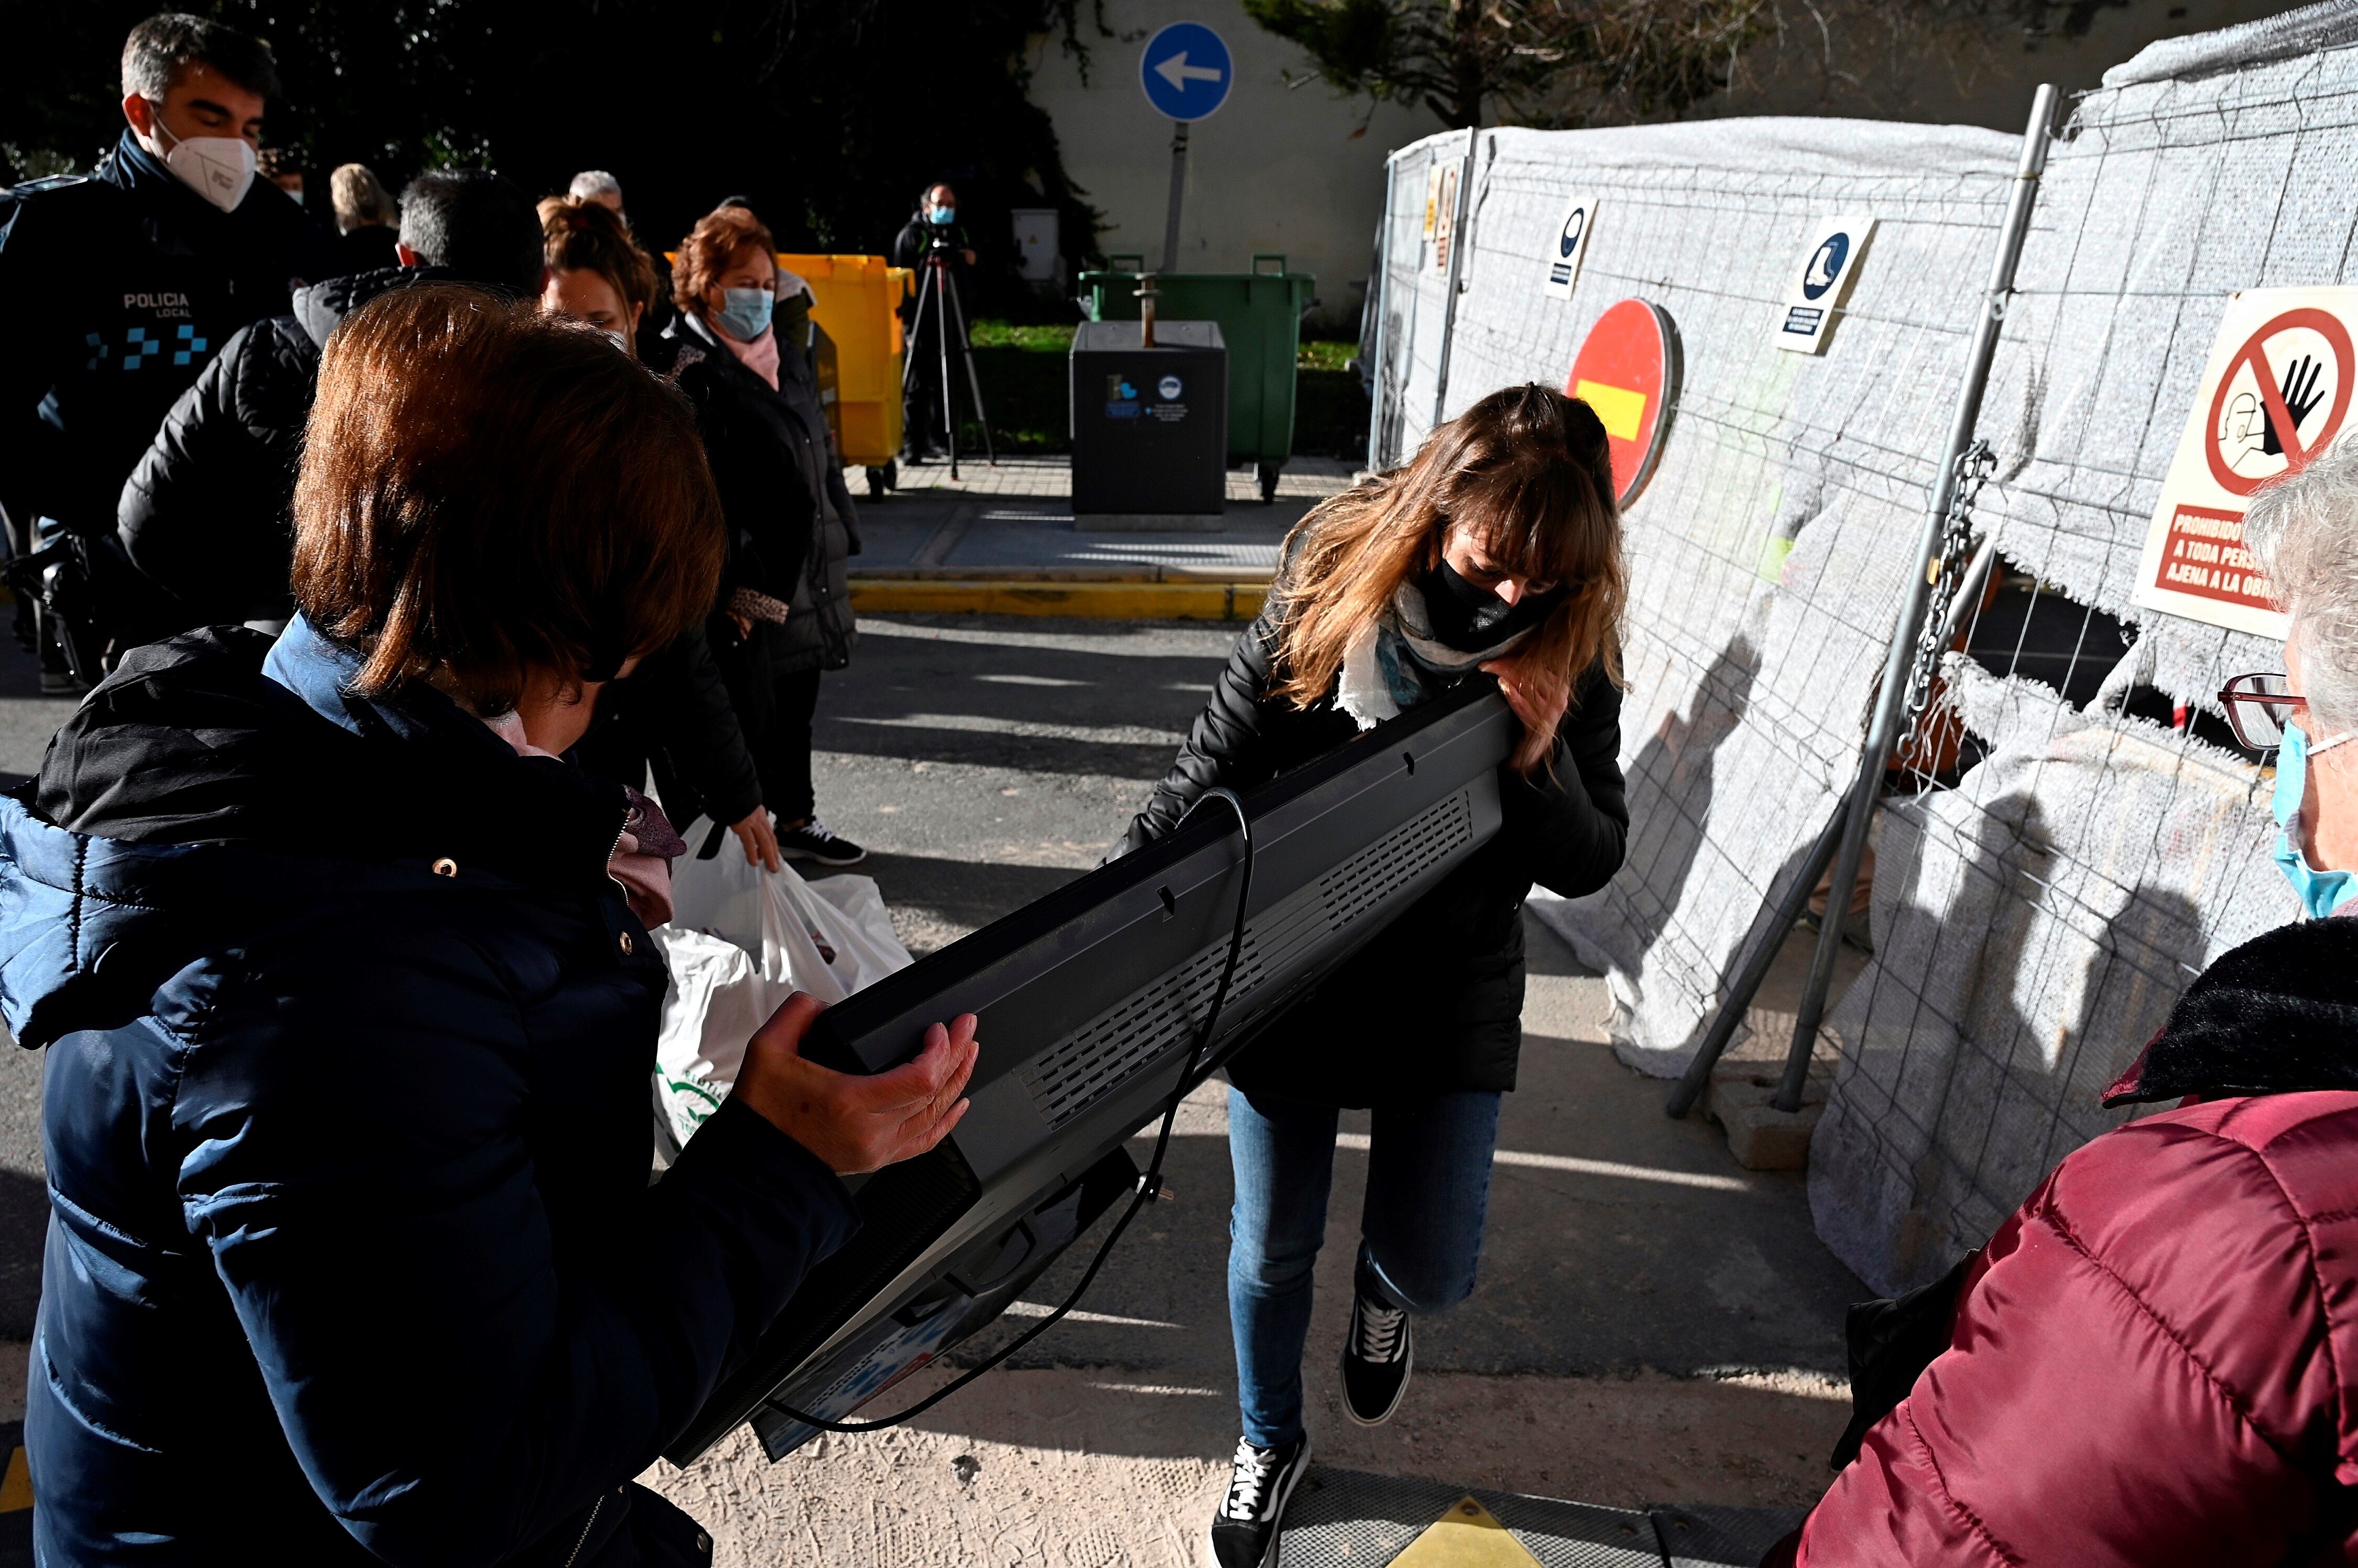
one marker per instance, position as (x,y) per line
(1244,1530)
(1376,1358)
(813,841)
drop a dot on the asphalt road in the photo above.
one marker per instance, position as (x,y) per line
(985,763)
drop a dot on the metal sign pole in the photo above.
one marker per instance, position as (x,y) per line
(1376,288)
(1738,1000)
(1178,193)
(1883,732)
(1456,267)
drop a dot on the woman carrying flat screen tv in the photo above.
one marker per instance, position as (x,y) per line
(1494,554)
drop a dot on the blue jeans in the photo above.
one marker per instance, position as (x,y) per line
(1420,1232)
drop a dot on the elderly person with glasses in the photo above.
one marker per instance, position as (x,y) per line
(2153,1361)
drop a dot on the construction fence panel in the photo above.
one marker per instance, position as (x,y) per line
(1770,548)
(1403,284)
(2070,839)
(2034,925)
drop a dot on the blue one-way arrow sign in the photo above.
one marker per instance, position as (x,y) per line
(1186,72)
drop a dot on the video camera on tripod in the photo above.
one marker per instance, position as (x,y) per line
(937,296)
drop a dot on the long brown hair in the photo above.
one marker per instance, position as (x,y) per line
(489,491)
(1530,472)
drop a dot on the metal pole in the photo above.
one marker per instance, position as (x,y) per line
(1376,288)
(942,330)
(1883,733)
(1178,192)
(1456,265)
(973,382)
(917,336)
(1747,985)
(1967,599)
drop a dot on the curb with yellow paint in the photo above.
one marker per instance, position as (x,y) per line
(1140,601)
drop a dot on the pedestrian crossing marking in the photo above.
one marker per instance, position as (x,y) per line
(1621,411)
(1467,1536)
(16,1485)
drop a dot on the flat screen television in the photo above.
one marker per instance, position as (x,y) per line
(1090,1001)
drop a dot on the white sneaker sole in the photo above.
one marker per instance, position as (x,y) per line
(1408,1371)
(1277,1536)
(813,857)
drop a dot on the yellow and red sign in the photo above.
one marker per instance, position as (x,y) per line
(1627,370)
(2274,395)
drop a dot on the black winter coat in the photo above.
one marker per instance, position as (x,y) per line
(790,518)
(1434,1003)
(369,248)
(353,1257)
(672,716)
(208,513)
(126,284)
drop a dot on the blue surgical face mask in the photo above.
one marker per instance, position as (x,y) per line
(942,214)
(2320,892)
(745,313)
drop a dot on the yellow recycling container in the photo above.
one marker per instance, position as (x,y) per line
(856,301)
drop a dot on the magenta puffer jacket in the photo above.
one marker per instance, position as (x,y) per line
(2156,1360)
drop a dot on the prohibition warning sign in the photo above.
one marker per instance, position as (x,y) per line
(2263,420)
(2274,396)
(1627,370)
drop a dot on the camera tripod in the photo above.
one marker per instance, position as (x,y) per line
(937,291)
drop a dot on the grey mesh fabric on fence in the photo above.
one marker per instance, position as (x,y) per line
(1770,548)
(2048,883)
(2034,926)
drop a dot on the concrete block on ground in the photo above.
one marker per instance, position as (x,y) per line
(1761,1136)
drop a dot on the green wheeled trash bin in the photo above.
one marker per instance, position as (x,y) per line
(1260,313)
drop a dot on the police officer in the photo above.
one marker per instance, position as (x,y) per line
(142,270)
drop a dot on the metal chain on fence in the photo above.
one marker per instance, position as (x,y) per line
(1945,576)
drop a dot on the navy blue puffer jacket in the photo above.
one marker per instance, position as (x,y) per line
(352,1255)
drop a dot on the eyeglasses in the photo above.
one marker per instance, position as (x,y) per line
(2258,707)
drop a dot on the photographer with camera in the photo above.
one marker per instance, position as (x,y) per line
(932,233)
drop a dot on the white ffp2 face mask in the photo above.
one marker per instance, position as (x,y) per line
(219,168)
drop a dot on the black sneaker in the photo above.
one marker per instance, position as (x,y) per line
(813,841)
(1376,1358)
(1244,1530)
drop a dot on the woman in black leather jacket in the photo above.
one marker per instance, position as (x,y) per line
(1497,549)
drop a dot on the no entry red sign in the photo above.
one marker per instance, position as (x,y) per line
(1627,370)
(2275,393)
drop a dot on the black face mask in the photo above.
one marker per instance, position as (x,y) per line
(1469,618)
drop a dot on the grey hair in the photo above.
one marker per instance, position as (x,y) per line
(360,199)
(2303,531)
(477,223)
(593,183)
(161,47)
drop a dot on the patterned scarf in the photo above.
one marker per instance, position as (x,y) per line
(1394,663)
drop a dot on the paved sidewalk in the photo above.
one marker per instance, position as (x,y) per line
(1051,474)
(1652,1326)
(1005,540)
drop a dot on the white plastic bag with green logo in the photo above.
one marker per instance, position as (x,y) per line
(740,942)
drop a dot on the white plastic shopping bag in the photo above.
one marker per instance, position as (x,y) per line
(740,942)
